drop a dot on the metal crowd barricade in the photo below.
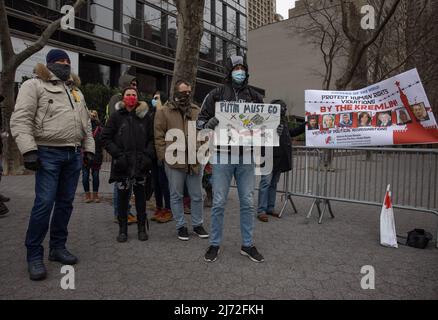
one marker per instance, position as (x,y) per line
(361,175)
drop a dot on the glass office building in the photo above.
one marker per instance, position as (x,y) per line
(138,37)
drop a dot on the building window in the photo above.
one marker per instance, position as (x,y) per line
(131,27)
(117,18)
(155,2)
(151,24)
(231,21)
(207,11)
(219,51)
(171,32)
(219,15)
(205,51)
(93,72)
(243,28)
(105,3)
(231,49)
(129,8)
(101,16)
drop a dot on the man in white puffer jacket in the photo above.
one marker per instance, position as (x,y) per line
(51,125)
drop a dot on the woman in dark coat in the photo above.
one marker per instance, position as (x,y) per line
(128,138)
(93,166)
(282,163)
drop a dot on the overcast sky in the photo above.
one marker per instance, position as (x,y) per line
(283,6)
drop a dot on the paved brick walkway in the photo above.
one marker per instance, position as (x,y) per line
(303,260)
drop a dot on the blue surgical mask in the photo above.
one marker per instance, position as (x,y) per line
(239,76)
(154,103)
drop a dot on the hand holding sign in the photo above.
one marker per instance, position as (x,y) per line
(212,123)
(247,124)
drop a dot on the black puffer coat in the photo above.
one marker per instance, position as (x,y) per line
(128,138)
(283,153)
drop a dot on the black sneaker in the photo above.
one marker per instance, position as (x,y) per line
(252,253)
(200,231)
(37,270)
(183,234)
(211,254)
(63,256)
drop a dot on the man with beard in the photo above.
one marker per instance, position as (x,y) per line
(179,113)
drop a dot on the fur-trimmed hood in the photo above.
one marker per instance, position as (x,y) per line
(43,73)
(140,111)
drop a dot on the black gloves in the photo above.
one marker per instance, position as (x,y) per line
(212,123)
(88,158)
(31,160)
(280,129)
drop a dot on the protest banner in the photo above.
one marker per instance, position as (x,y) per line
(247,124)
(392,112)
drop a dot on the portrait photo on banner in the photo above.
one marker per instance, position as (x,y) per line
(345,120)
(403,116)
(364,119)
(328,121)
(420,112)
(384,119)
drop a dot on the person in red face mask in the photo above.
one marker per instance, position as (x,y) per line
(128,138)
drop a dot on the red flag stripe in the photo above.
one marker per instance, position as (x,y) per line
(387,202)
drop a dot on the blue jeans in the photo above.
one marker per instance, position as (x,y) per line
(177,179)
(268,192)
(116,201)
(55,186)
(161,186)
(244,174)
(86,179)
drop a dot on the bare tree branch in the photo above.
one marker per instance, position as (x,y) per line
(345,25)
(42,40)
(7,49)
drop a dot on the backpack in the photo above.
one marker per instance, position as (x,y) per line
(418,238)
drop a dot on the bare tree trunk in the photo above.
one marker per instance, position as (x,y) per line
(190,28)
(11,61)
(359,43)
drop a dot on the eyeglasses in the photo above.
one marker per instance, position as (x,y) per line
(156,98)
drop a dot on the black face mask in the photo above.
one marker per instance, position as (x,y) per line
(62,71)
(182,98)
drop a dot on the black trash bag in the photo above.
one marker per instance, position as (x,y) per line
(418,238)
(3,209)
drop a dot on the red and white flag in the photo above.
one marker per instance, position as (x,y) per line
(388,235)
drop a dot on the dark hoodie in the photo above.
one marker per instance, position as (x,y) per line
(124,82)
(227,92)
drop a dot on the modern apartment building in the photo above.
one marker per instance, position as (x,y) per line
(112,37)
(260,13)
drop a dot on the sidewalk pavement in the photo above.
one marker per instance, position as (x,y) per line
(304,260)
